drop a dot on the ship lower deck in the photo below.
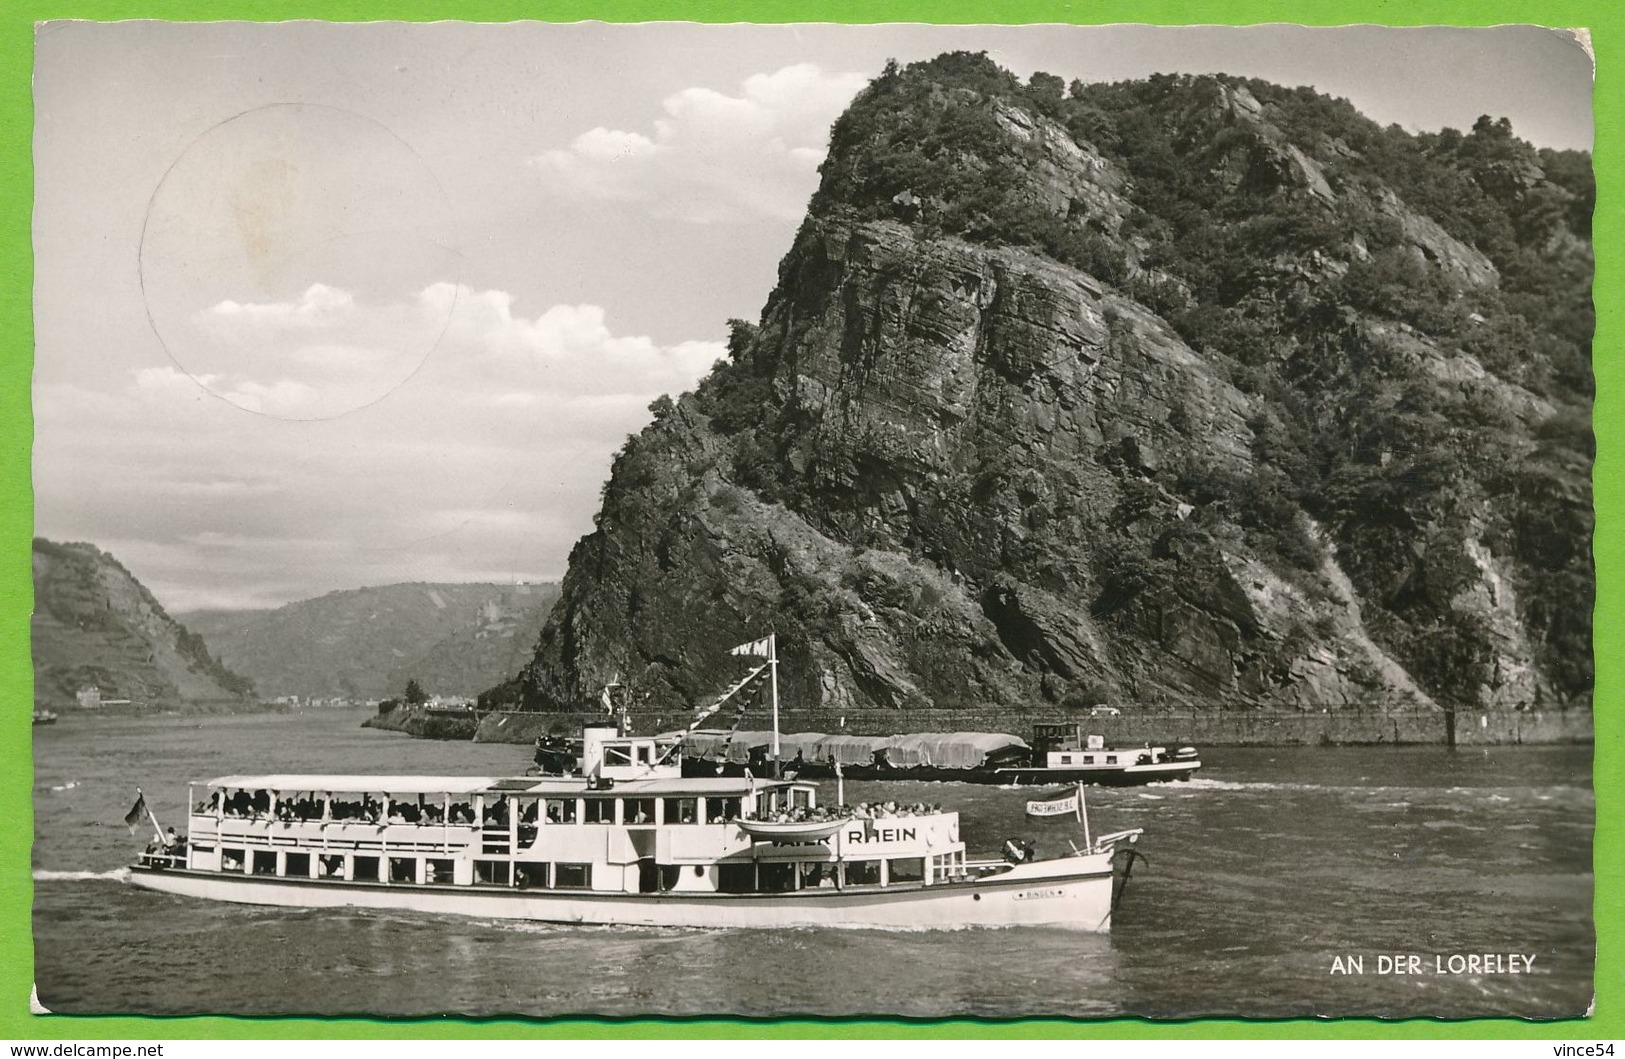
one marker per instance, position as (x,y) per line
(1073,893)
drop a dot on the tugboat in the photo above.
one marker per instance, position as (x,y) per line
(1061,753)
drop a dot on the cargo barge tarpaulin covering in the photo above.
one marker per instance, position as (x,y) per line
(948,750)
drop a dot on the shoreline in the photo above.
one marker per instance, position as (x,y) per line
(1349,727)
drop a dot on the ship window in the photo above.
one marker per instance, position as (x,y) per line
(529,809)
(573,876)
(404,812)
(1111,759)
(351,807)
(297,866)
(645,753)
(438,871)
(640,811)
(863,873)
(617,755)
(736,878)
(364,869)
(330,866)
(530,876)
(775,878)
(721,810)
(496,811)
(600,810)
(1066,759)
(801,798)
(561,810)
(298,807)
(817,874)
(682,810)
(264,862)
(1088,759)
(403,869)
(232,859)
(905,869)
(493,872)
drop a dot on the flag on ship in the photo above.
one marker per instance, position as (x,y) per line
(762,648)
(1054,806)
(739,688)
(137,811)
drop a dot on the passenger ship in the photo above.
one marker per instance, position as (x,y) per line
(628,840)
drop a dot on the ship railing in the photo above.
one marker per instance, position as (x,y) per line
(1110,841)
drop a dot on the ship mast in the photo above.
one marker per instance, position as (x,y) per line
(773,681)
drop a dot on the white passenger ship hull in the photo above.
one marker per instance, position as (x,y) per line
(1072,893)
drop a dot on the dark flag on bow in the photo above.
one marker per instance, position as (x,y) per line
(137,811)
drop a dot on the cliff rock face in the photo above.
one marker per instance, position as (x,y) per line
(1163,393)
(96,625)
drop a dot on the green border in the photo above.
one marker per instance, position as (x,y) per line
(1607,26)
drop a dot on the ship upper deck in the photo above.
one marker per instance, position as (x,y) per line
(675,786)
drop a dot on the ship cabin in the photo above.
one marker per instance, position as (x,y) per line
(629,823)
(1060,746)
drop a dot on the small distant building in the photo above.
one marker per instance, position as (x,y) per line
(90,698)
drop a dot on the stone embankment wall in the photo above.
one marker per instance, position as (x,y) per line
(1208,728)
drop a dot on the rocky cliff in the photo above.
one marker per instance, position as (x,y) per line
(95,625)
(1189,392)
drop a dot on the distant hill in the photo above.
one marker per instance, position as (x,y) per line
(456,639)
(96,625)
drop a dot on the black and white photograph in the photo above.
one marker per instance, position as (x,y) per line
(923,521)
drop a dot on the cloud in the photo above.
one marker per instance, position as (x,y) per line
(489,457)
(713,157)
(318,303)
(329,353)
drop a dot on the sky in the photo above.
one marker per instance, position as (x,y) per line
(320,306)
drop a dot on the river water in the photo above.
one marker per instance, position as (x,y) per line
(1264,876)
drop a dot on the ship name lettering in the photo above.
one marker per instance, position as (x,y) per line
(883,834)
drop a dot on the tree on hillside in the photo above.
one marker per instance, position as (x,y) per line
(414,693)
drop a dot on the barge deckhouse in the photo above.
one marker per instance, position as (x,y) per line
(629,840)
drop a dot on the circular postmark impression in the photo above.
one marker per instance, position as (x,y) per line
(299,261)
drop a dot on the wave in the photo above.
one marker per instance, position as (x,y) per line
(1499,794)
(1204,783)
(116,875)
(68,786)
